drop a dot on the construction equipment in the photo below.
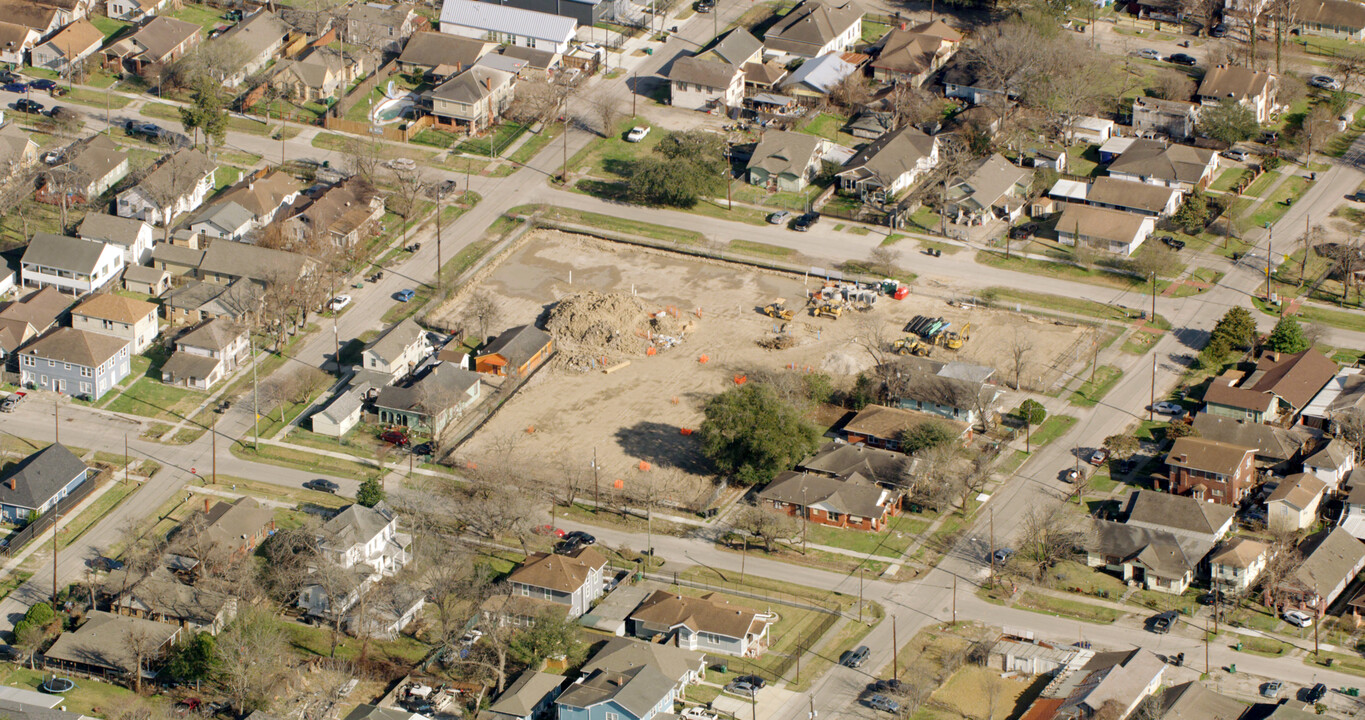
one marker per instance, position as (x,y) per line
(910,346)
(777,310)
(827,309)
(955,340)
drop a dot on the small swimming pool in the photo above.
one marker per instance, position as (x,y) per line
(391,110)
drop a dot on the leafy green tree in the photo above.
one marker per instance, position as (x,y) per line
(195,661)
(1216,352)
(370,493)
(751,435)
(1180,429)
(673,183)
(552,635)
(1121,447)
(40,614)
(1032,412)
(207,112)
(697,146)
(1238,327)
(819,387)
(1193,214)
(864,392)
(1287,337)
(927,435)
(1228,121)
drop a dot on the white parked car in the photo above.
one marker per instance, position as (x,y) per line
(1299,619)
(1149,54)
(637,133)
(339,302)
(1169,408)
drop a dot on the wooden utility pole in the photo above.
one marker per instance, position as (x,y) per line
(213,461)
(954,599)
(895,652)
(992,548)
(439,281)
(56,519)
(1206,648)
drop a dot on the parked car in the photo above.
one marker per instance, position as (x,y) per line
(1211,597)
(855,658)
(107,564)
(1316,693)
(148,131)
(7,77)
(568,546)
(43,84)
(11,401)
(187,706)
(549,530)
(1003,555)
(741,689)
(583,538)
(705,6)
(1023,232)
(322,485)
(1173,243)
(395,436)
(1326,82)
(405,295)
(1182,59)
(1219,30)
(339,302)
(422,449)
(1272,689)
(883,703)
(757,682)
(1149,54)
(1298,618)
(637,133)
(24,105)
(779,217)
(1126,466)
(805,222)
(1071,475)
(1169,408)
(1099,456)
(888,685)
(1234,154)
(15,87)
(1162,623)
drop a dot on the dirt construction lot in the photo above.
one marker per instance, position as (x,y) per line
(637,412)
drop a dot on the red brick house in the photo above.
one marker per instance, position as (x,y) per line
(851,502)
(1209,470)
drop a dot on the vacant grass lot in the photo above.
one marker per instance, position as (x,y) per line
(891,542)
(613,224)
(154,399)
(1094,389)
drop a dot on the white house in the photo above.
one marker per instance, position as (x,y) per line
(132,10)
(16,41)
(363,540)
(131,234)
(207,354)
(814,28)
(179,184)
(124,318)
(699,83)
(1235,566)
(571,581)
(1112,231)
(1331,464)
(707,623)
(69,264)
(398,351)
(889,165)
(1251,89)
(507,25)
(1293,506)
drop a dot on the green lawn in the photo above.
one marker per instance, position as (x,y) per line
(1261,183)
(615,224)
(1051,429)
(892,542)
(235,123)
(753,247)
(201,15)
(1227,180)
(1277,204)
(96,511)
(313,641)
(90,697)
(303,460)
(152,398)
(611,156)
(1061,607)
(1093,390)
(1064,271)
(828,126)
(1140,342)
(534,144)
(1044,301)
(107,25)
(495,143)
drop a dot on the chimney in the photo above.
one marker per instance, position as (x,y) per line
(206,506)
(1274,355)
(1184,458)
(11,483)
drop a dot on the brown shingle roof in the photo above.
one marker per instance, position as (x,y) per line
(77,347)
(1239,552)
(1208,455)
(1226,82)
(109,306)
(880,421)
(1299,490)
(699,71)
(564,573)
(854,495)
(1331,561)
(708,613)
(76,38)
(1295,378)
(809,26)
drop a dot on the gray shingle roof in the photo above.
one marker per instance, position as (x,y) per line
(177,175)
(396,340)
(526,692)
(781,151)
(1167,554)
(214,334)
(432,49)
(241,260)
(1269,441)
(256,33)
(444,382)
(1332,559)
(517,344)
(638,690)
(1174,163)
(103,641)
(809,26)
(164,34)
(40,476)
(700,71)
(471,85)
(891,155)
(77,347)
(1177,512)
(737,46)
(621,654)
(855,495)
(110,228)
(64,252)
(355,524)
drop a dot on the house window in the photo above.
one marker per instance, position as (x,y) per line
(86,372)
(613,716)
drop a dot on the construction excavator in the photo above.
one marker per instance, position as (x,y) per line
(955,340)
(911,346)
(777,310)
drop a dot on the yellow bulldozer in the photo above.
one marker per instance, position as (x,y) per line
(910,346)
(777,310)
(827,309)
(955,340)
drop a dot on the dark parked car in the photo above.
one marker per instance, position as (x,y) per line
(1182,59)
(583,538)
(25,105)
(1173,243)
(1219,30)
(754,680)
(855,658)
(107,564)
(421,449)
(805,222)
(1162,624)
(1316,693)
(1023,232)
(150,132)
(889,685)
(43,84)
(322,485)
(568,546)
(15,87)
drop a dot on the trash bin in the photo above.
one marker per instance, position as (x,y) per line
(723,667)
(1239,646)
(1232,668)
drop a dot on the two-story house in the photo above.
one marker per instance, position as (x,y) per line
(1331,560)
(15,42)
(1353,515)
(1279,388)
(250,204)
(1278,450)
(635,694)
(133,321)
(889,165)
(364,541)
(474,99)
(206,354)
(380,26)
(1252,89)
(131,234)
(178,184)
(814,28)
(75,362)
(30,316)
(1209,470)
(1293,506)
(707,624)
(69,264)
(37,483)
(701,83)
(230,531)
(507,25)
(1235,565)
(571,581)
(398,351)
(339,212)
(852,501)
(911,55)
(256,39)
(1332,463)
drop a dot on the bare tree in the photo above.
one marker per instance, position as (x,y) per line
(536,100)
(484,311)
(364,156)
(1171,84)
(1204,11)
(882,260)
(1277,580)
(1050,534)
(607,105)
(1005,57)
(912,105)
(144,647)
(1349,65)
(850,93)
(406,200)
(937,484)
(1076,85)
(253,657)
(768,527)
(1284,14)
(1319,125)
(1020,348)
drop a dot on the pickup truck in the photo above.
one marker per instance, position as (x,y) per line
(1162,624)
(11,401)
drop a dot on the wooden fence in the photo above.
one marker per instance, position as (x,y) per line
(394,133)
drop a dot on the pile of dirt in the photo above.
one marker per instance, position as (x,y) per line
(591,327)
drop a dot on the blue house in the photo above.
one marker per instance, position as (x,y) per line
(639,693)
(39,482)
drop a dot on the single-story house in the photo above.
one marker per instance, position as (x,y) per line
(995,187)
(1278,449)
(1111,231)
(37,483)
(888,166)
(817,77)
(342,211)
(161,41)
(507,25)
(180,183)
(1331,18)
(337,417)
(146,279)
(882,426)
(1279,387)
(92,166)
(72,44)
(1156,559)
(785,160)
(529,697)
(1235,565)
(159,596)
(1332,463)
(1179,515)
(707,623)
(431,402)
(261,35)
(18,151)
(515,353)
(1331,560)
(1178,166)
(911,55)
(1175,119)
(103,646)
(848,502)
(16,41)
(441,55)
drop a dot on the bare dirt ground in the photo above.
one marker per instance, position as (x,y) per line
(637,413)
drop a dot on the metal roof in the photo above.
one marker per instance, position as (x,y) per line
(510,20)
